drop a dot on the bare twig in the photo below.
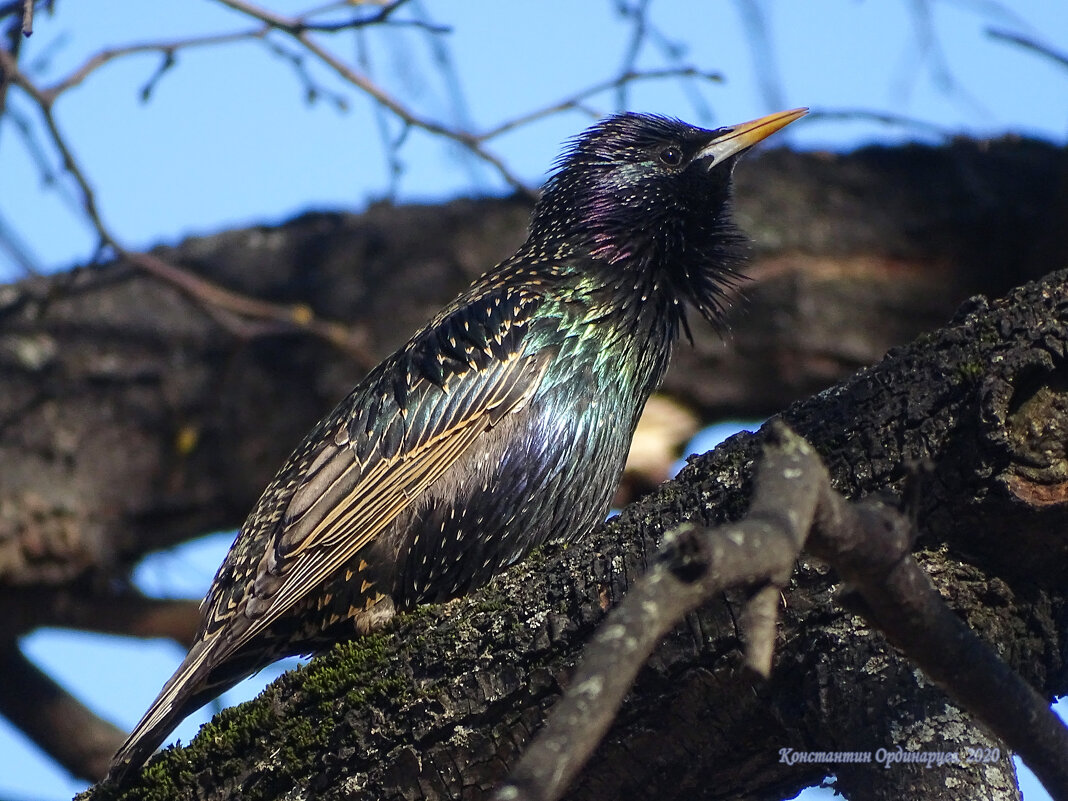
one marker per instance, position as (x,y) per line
(445,70)
(298,31)
(883,117)
(639,15)
(377,93)
(765,64)
(45,103)
(19,252)
(301,29)
(167,48)
(14,44)
(1028,44)
(24,127)
(170,47)
(214,297)
(759,617)
(384,16)
(577,100)
(351,339)
(869,544)
(930,51)
(673,52)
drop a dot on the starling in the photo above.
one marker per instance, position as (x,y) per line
(502,424)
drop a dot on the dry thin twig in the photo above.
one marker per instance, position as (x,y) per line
(27,17)
(884,118)
(1028,43)
(578,99)
(243,316)
(869,544)
(350,339)
(214,297)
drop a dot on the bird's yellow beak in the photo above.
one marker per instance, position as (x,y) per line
(737,139)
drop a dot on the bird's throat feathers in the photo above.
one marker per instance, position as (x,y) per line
(642,258)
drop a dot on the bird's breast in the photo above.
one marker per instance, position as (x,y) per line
(547,472)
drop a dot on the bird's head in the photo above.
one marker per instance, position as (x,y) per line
(648,197)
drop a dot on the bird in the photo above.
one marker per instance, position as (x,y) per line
(502,424)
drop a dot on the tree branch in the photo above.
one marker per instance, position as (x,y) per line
(445,701)
(129,613)
(1028,43)
(867,542)
(54,719)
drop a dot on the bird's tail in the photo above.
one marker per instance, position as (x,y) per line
(192,685)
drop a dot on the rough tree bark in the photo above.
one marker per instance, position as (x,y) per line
(442,703)
(133,416)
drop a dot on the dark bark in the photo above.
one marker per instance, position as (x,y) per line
(134,416)
(441,704)
(868,542)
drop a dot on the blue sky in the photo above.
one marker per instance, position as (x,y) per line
(226,140)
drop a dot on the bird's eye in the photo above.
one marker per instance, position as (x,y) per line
(671,156)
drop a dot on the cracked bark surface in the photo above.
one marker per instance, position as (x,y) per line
(133,417)
(442,703)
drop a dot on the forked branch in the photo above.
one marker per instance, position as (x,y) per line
(868,542)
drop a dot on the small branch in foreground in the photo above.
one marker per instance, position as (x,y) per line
(868,542)
(1029,44)
(250,317)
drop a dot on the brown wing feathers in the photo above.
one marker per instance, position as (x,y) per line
(352,477)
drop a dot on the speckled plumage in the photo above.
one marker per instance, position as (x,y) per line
(503,423)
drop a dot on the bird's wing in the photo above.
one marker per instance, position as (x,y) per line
(397,434)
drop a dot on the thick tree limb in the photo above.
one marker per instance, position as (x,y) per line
(133,418)
(756,554)
(868,542)
(441,705)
